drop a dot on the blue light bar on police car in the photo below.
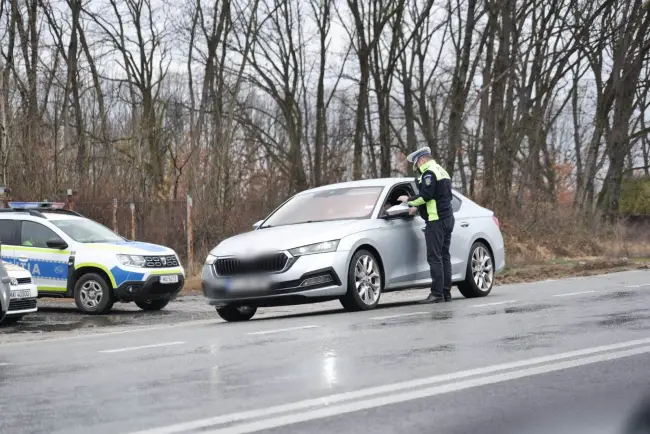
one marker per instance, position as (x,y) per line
(36,205)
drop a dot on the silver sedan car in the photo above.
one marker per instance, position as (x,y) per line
(351,241)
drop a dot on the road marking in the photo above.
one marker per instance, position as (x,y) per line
(290,329)
(328,411)
(5,364)
(494,304)
(399,315)
(387,389)
(117,332)
(643,285)
(143,347)
(569,294)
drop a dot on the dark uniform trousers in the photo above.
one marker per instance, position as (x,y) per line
(437,235)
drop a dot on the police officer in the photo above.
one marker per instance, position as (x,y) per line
(433,202)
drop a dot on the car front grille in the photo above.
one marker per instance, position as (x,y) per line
(161,261)
(263,264)
(23,304)
(24,280)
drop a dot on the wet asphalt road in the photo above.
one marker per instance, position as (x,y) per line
(556,356)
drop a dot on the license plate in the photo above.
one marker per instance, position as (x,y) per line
(20,293)
(168,279)
(247,284)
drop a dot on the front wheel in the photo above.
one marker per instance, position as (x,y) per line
(236,313)
(151,305)
(364,282)
(479,276)
(92,295)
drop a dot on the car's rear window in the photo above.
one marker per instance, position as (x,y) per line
(327,205)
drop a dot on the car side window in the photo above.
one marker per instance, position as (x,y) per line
(395,193)
(10,232)
(455,203)
(36,235)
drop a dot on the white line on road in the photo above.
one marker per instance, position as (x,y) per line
(494,304)
(290,329)
(639,286)
(327,411)
(386,389)
(5,364)
(399,315)
(569,294)
(143,347)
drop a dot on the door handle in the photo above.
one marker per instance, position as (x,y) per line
(464,224)
(23,258)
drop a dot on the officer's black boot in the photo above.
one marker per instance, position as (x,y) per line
(447,295)
(431,299)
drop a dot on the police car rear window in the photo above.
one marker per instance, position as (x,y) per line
(10,232)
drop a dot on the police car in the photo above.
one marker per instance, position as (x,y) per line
(22,293)
(71,256)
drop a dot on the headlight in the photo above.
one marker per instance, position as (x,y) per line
(210,259)
(132,260)
(324,247)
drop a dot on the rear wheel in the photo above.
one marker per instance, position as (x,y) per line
(479,277)
(92,295)
(236,313)
(150,305)
(364,282)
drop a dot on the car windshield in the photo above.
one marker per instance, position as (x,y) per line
(326,205)
(87,231)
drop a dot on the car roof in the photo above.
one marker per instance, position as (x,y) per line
(376,182)
(49,216)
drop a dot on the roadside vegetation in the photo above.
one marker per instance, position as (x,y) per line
(539,109)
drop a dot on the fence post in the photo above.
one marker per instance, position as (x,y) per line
(132,221)
(190,247)
(69,200)
(115,216)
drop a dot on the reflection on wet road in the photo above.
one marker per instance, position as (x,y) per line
(526,354)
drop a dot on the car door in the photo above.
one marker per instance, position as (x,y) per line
(399,242)
(461,238)
(49,267)
(9,239)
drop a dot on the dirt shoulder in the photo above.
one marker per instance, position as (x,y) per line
(556,269)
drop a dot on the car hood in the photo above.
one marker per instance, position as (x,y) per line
(288,237)
(15,270)
(130,248)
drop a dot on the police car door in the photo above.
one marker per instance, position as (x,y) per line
(9,238)
(49,267)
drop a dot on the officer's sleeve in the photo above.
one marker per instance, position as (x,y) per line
(427,190)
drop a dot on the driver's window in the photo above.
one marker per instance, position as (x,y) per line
(36,235)
(396,192)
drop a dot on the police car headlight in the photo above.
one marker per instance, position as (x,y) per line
(132,260)
(324,247)
(210,259)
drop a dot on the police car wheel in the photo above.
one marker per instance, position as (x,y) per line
(150,305)
(10,320)
(479,277)
(364,282)
(92,295)
(236,313)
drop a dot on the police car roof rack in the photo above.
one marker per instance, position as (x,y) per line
(37,208)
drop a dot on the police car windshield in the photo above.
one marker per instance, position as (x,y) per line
(87,231)
(326,205)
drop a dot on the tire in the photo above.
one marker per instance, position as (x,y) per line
(153,305)
(92,295)
(10,320)
(479,276)
(365,282)
(236,313)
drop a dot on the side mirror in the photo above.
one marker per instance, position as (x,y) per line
(398,211)
(6,279)
(57,243)
(257,224)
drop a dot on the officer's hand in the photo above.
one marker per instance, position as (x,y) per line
(412,210)
(403,199)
